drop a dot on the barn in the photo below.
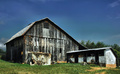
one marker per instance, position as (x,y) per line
(43,37)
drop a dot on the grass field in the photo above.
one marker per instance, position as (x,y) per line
(68,68)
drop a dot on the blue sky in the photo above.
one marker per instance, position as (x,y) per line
(95,20)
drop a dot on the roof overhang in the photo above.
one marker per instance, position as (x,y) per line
(95,49)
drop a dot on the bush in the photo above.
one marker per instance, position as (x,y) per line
(3,57)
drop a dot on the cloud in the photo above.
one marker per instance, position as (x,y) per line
(2,46)
(114,4)
(2,42)
(114,16)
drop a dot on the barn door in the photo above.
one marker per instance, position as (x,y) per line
(96,58)
(60,54)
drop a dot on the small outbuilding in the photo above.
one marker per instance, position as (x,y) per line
(102,56)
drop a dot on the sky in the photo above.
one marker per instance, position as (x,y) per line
(94,20)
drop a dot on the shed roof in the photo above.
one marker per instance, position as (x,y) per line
(24,30)
(95,49)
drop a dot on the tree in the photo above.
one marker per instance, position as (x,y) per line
(88,43)
(117,52)
(115,46)
(100,44)
(82,42)
(2,51)
(92,45)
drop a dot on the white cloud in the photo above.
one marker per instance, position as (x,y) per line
(114,4)
(2,42)
(2,46)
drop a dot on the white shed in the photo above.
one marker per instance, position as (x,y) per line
(105,56)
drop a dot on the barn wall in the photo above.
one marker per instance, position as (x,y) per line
(110,58)
(14,50)
(44,37)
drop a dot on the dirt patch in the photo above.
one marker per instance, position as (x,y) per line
(21,72)
(101,73)
(101,68)
(97,68)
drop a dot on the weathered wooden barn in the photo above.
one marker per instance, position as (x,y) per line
(103,56)
(41,36)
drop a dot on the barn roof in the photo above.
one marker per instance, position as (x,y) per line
(24,30)
(95,49)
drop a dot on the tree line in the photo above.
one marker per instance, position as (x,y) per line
(2,51)
(90,44)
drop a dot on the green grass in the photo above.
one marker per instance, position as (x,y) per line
(68,68)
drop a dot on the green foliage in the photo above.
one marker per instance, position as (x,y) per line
(115,46)
(2,51)
(88,44)
(82,42)
(100,44)
(117,52)
(2,54)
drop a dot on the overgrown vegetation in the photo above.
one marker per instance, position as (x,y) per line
(91,45)
(2,54)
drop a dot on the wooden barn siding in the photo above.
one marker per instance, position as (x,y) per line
(14,49)
(40,39)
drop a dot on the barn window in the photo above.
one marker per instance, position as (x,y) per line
(46,25)
(60,50)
